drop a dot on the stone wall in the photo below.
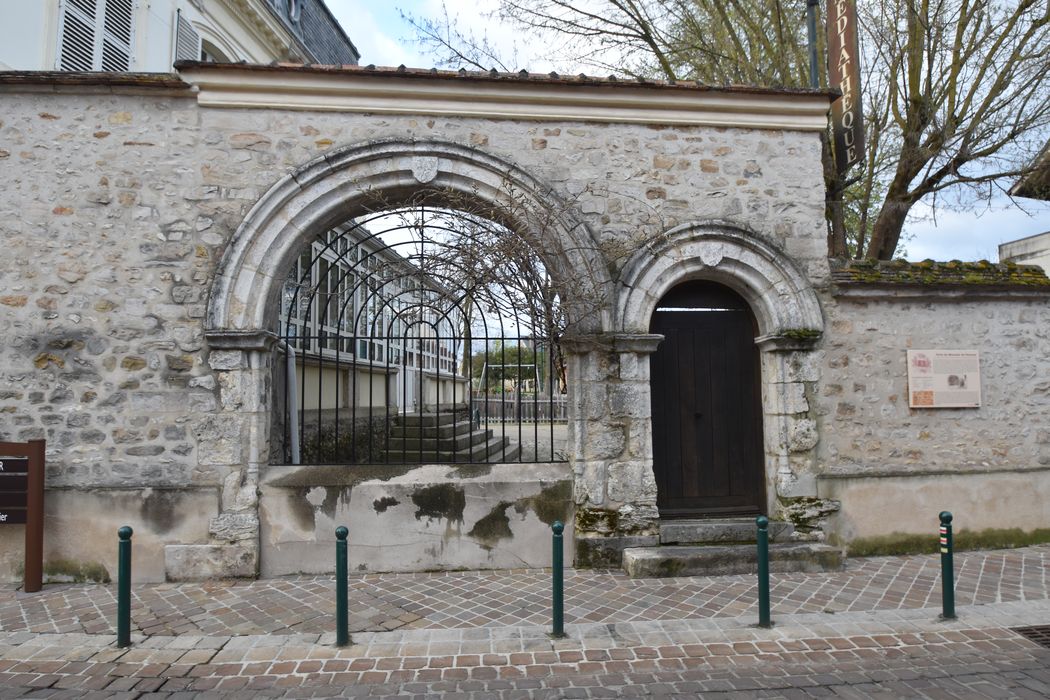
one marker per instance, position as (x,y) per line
(119,205)
(894,468)
(145,236)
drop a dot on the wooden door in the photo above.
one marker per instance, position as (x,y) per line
(706,404)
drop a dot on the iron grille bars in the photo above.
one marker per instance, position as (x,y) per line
(414,343)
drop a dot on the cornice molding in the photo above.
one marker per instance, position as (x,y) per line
(393,93)
(267,28)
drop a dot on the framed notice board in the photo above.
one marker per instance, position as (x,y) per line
(22,502)
(944,379)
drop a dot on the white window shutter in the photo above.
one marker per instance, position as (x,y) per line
(118,29)
(96,35)
(77,35)
(187,40)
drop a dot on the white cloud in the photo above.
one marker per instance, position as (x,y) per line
(974,234)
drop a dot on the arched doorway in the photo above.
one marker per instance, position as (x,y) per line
(706,404)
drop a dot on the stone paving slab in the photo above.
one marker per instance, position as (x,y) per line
(870,631)
(908,653)
(522,597)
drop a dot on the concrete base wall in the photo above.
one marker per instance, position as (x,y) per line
(881,504)
(422,518)
(80,531)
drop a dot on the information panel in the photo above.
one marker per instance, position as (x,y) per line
(22,502)
(944,379)
(14,490)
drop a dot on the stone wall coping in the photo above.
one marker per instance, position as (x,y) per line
(303,475)
(930,278)
(501,96)
(108,82)
(910,292)
(901,474)
(110,488)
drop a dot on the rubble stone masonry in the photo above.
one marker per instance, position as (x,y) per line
(117,208)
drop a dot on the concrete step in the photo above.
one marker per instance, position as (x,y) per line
(720,531)
(507,453)
(431,419)
(465,439)
(495,449)
(723,560)
(431,431)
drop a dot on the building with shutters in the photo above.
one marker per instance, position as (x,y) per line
(138,36)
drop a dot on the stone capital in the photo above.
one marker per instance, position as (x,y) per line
(639,343)
(790,341)
(256,340)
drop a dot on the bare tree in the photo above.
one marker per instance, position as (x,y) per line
(955,90)
(967,97)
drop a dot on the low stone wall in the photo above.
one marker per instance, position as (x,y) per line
(80,531)
(887,503)
(413,518)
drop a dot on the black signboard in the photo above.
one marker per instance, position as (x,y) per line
(12,484)
(13,500)
(22,502)
(14,465)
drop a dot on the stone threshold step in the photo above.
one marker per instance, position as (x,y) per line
(720,531)
(724,560)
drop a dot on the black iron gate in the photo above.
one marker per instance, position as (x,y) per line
(420,334)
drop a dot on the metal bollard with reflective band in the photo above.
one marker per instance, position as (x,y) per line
(124,586)
(342,627)
(947,568)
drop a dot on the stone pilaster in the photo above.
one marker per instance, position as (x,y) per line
(791,368)
(611,438)
(233,443)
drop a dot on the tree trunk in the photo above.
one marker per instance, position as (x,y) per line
(833,210)
(886,232)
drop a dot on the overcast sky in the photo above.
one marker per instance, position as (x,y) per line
(385,39)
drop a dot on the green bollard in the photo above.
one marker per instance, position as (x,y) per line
(342,630)
(558,580)
(763,571)
(947,568)
(124,587)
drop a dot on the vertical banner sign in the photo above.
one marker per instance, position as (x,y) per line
(847,114)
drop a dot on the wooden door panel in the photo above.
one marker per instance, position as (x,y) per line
(707,439)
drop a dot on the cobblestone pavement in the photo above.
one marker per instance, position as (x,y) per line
(871,654)
(871,631)
(515,598)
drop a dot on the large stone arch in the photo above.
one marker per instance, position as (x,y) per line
(790,323)
(333,187)
(315,197)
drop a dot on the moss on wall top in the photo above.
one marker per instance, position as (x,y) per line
(953,273)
